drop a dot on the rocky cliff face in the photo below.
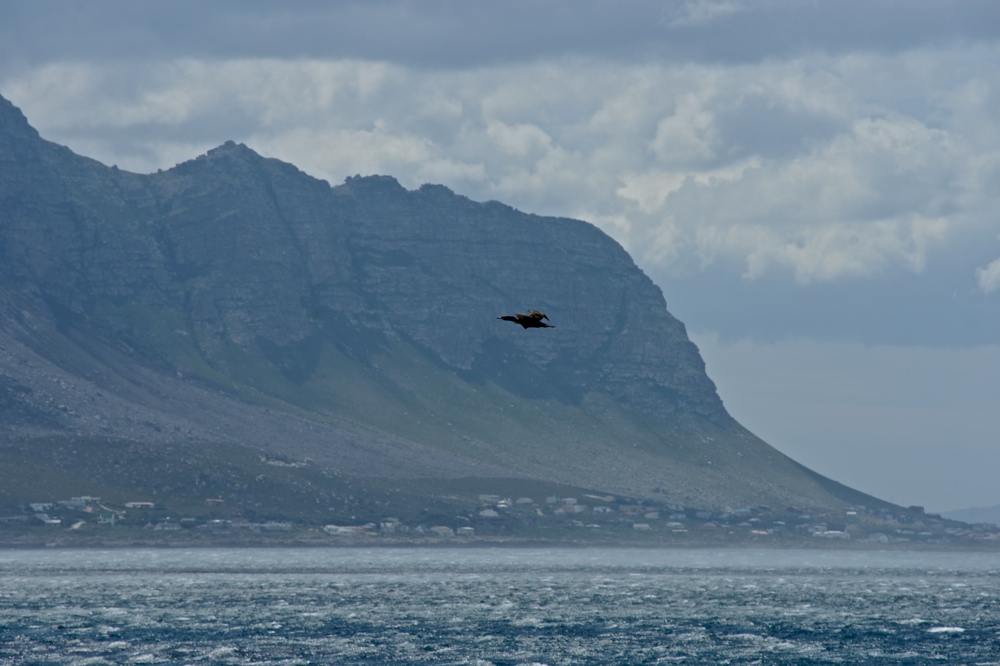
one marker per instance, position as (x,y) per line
(234,297)
(249,251)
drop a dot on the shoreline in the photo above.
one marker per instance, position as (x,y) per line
(484,542)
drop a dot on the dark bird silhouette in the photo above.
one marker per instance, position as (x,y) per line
(531,320)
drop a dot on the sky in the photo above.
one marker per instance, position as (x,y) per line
(814,184)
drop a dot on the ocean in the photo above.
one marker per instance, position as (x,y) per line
(439,605)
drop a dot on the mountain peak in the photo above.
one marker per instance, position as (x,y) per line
(13,122)
(231,151)
(374,183)
(236,158)
(232,148)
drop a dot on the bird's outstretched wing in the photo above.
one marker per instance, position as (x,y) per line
(533,320)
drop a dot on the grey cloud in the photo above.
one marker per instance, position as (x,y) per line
(939,307)
(461,34)
(786,167)
(760,125)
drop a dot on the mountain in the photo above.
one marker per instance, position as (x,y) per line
(233,300)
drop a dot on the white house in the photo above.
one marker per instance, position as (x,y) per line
(442,530)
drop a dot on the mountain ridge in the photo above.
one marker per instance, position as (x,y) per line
(234,298)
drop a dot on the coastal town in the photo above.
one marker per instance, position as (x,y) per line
(491,517)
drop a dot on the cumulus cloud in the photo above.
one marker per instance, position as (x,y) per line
(988,277)
(818,168)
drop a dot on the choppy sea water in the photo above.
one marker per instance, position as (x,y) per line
(497,606)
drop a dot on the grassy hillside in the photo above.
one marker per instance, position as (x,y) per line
(232,482)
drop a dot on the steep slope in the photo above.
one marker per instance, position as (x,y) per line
(233,298)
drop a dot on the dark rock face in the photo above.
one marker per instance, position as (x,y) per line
(241,277)
(248,250)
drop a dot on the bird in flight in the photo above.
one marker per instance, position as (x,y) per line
(531,320)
